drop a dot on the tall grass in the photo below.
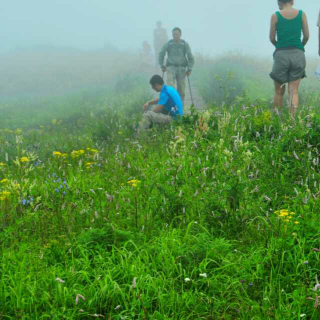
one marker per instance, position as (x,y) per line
(220,223)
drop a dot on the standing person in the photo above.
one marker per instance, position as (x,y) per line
(180,61)
(289,66)
(146,56)
(167,107)
(160,38)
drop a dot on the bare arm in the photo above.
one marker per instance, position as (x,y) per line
(155,101)
(273,29)
(305,29)
(150,103)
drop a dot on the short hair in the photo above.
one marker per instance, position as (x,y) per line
(285,1)
(177,29)
(156,79)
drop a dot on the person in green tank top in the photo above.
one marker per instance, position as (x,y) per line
(287,27)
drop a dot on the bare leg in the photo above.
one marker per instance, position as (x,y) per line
(279,91)
(294,97)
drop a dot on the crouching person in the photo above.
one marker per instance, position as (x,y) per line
(167,107)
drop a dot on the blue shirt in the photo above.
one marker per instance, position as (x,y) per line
(170,99)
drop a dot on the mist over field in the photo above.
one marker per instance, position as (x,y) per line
(57,47)
(115,207)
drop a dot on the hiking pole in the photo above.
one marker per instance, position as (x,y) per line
(190,91)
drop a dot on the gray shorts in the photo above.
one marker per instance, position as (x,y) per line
(289,65)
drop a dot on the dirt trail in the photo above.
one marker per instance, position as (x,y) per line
(197,99)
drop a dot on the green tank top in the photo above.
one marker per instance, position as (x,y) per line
(289,32)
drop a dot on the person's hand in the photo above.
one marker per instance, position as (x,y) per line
(188,73)
(164,69)
(146,106)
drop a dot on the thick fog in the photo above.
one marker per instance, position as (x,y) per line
(210,26)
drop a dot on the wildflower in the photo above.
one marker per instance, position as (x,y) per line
(24,159)
(57,154)
(60,280)
(94,151)
(76,153)
(81,297)
(134,283)
(203,275)
(54,121)
(4,181)
(89,165)
(2,164)
(187,280)
(4,195)
(317,286)
(297,222)
(134,183)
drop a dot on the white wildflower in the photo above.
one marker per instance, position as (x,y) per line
(81,297)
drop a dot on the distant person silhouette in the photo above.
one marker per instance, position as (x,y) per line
(160,38)
(146,56)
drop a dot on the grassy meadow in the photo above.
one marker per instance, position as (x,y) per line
(216,217)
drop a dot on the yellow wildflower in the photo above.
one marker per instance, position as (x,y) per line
(54,121)
(4,195)
(2,164)
(4,181)
(297,222)
(89,164)
(57,154)
(93,150)
(24,159)
(282,213)
(134,183)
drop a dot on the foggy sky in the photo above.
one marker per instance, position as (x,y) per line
(210,26)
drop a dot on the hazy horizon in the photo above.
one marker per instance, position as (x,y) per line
(211,27)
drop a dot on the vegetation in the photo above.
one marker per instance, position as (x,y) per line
(216,217)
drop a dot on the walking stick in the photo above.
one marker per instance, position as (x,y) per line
(190,91)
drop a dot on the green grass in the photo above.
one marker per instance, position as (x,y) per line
(198,237)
